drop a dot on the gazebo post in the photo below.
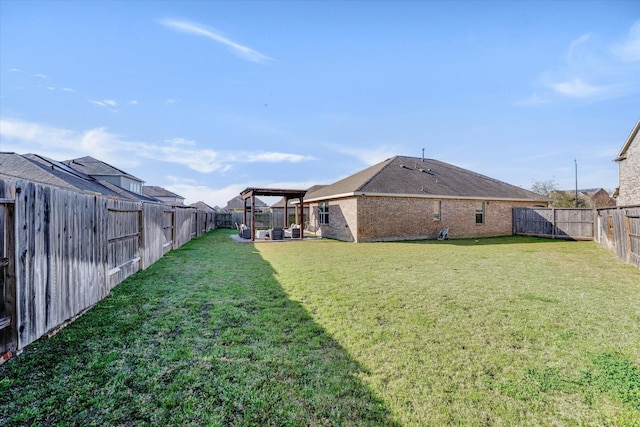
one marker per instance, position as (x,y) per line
(253,217)
(301,216)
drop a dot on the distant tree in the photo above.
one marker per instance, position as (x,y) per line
(566,199)
(560,199)
(544,188)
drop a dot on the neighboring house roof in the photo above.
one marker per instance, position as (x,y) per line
(90,166)
(622,155)
(238,204)
(129,195)
(202,206)
(40,169)
(155,191)
(413,176)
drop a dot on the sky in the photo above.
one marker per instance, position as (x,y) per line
(207,98)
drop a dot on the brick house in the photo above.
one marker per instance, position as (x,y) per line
(404,198)
(628,191)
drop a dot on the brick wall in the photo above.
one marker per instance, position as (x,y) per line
(343,219)
(366,219)
(629,175)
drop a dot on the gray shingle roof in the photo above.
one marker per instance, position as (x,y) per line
(202,206)
(155,191)
(90,166)
(35,168)
(401,175)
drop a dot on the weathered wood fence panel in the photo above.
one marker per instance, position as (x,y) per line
(62,251)
(59,272)
(8,319)
(618,229)
(124,225)
(158,239)
(183,226)
(573,224)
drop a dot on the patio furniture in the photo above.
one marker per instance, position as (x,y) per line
(277,233)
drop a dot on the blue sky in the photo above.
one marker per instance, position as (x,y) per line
(208,98)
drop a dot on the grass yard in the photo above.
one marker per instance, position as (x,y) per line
(503,331)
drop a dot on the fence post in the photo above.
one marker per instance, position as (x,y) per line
(553,223)
(627,232)
(141,237)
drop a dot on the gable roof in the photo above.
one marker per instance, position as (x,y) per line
(622,155)
(155,191)
(90,166)
(413,176)
(202,206)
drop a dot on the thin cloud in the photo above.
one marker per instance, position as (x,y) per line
(575,44)
(22,136)
(68,89)
(274,157)
(577,88)
(133,102)
(40,76)
(104,103)
(237,49)
(592,71)
(629,50)
(368,156)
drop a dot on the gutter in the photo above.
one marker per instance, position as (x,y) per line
(424,196)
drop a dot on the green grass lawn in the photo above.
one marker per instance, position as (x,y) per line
(504,331)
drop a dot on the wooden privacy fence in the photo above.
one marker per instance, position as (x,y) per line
(63,251)
(564,223)
(618,229)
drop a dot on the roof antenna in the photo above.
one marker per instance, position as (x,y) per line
(423,154)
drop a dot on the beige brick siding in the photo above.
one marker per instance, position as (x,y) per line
(366,219)
(629,175)
(343,220)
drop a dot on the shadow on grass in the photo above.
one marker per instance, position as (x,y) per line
(205,336)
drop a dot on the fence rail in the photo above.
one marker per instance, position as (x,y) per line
(66,250)
(572,224)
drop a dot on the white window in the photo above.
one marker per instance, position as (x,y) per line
(323,212)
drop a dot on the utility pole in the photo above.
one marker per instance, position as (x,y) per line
(576,162)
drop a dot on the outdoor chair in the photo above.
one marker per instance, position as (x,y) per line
(277,234)
(444,234)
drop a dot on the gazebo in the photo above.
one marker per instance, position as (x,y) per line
(251,193)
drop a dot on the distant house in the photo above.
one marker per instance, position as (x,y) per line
(405,198)
(237,205)
(42,170)
(163,195)
(200,205)
(105,172)
(628,191)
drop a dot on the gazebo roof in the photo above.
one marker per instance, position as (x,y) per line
(291,194)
